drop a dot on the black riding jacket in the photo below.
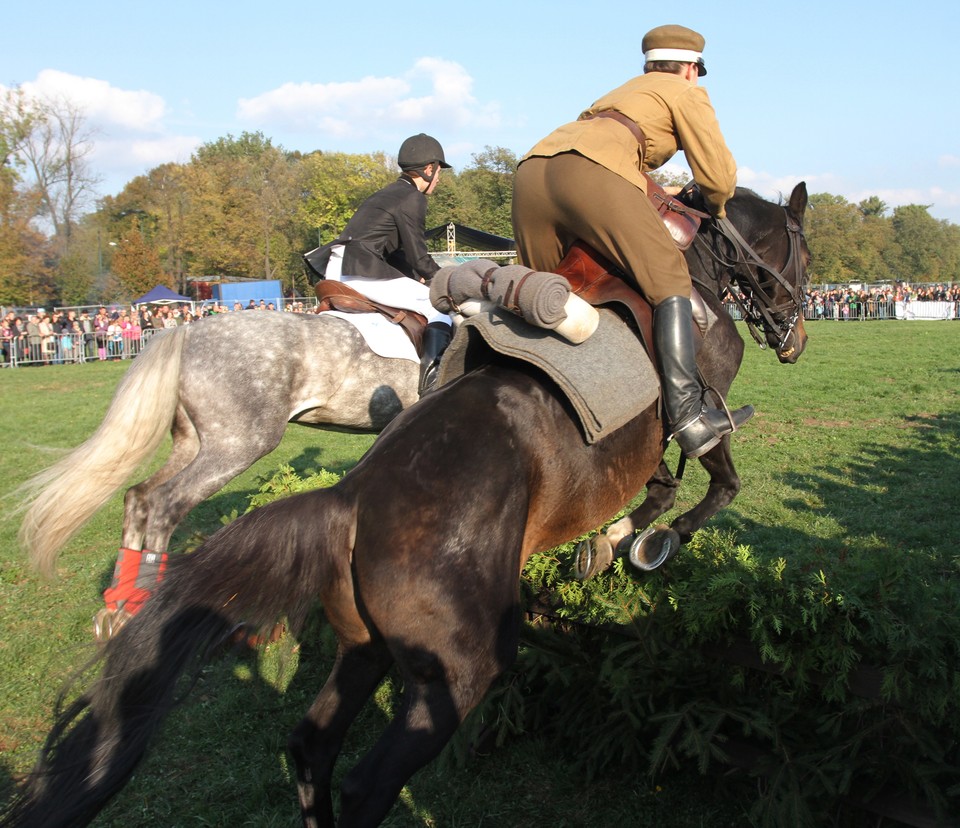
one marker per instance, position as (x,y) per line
(384,239)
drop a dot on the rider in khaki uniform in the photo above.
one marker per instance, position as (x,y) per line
(585,181)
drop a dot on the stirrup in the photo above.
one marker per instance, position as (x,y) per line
(429,377)
(703,433)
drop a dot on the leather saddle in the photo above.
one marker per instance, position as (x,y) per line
(340,297)
(600,282)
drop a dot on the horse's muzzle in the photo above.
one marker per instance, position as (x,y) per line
(794,344)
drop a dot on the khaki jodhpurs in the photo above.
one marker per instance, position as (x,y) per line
(562,198)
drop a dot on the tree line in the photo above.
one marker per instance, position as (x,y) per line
(244,208)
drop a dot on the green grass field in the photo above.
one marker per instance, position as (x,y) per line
(856,447)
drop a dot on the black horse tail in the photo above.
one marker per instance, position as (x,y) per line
(268,564)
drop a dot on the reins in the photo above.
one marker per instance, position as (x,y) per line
(753,278)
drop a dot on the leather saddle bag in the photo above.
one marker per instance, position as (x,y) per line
(682,222)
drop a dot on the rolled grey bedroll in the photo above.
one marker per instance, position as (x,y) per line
(539,298)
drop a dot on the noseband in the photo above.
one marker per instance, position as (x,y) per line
(757,280)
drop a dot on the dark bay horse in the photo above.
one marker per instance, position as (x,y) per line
(415,555)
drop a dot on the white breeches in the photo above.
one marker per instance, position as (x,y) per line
(400,292)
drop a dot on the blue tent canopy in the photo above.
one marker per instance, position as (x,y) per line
(161,295)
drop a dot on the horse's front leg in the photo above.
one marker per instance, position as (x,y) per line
(647,546)
(661,495)
(655,545)
(595,554)
(724,487)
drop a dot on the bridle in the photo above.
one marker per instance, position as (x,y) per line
(755,280)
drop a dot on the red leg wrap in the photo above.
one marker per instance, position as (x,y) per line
(134,579)
(124,577)
(152,567)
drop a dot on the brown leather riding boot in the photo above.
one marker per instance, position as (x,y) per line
(696,427)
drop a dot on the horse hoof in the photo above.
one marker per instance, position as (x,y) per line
(653,547)
(107,623)
(592,556)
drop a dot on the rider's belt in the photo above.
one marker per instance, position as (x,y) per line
(629,123)
(682,222)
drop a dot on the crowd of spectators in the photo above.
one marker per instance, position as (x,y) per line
(879,302)
(876,302)
(63,336)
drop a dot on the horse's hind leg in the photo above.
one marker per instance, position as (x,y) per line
(133,581)
(316,741)
(154,508)
(221,458)
(446,668)
(138,501)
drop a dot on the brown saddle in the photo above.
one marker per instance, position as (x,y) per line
(340,297)
(598,281)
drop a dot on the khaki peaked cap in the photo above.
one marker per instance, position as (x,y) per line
(673,42)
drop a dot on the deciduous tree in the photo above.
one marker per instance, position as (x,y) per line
(242,197)
(137,265)
(334,184)
(54,143)
(24,275)
(486,192)
(920,237)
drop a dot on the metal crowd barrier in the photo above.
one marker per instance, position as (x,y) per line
(870,310)
(67,349)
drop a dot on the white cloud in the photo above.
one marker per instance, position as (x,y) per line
(104,105)
(776,186)
(433,93)
(144,153)
(944,201)
(129,131)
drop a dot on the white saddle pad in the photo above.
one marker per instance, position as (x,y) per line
(384,338)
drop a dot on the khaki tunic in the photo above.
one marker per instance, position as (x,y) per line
(673,115)
(584,181)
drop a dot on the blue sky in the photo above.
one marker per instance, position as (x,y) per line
(857,99)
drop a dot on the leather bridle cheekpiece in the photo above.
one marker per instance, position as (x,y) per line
(756,280)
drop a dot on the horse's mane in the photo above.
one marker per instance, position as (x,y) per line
(692,197)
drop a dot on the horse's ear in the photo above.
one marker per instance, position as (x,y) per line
(798,201)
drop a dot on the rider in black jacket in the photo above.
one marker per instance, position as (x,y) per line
(382,253)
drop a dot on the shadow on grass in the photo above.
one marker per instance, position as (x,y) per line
(900,497)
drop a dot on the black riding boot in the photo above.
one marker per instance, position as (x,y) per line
(436,338)
(696,427)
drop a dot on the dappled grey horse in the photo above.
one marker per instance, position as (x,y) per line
(225,389)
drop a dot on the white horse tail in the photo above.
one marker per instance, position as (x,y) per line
(60,499)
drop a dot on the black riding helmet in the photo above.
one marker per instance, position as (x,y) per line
(418,151)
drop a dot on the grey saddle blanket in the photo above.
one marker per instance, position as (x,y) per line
(608,379)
